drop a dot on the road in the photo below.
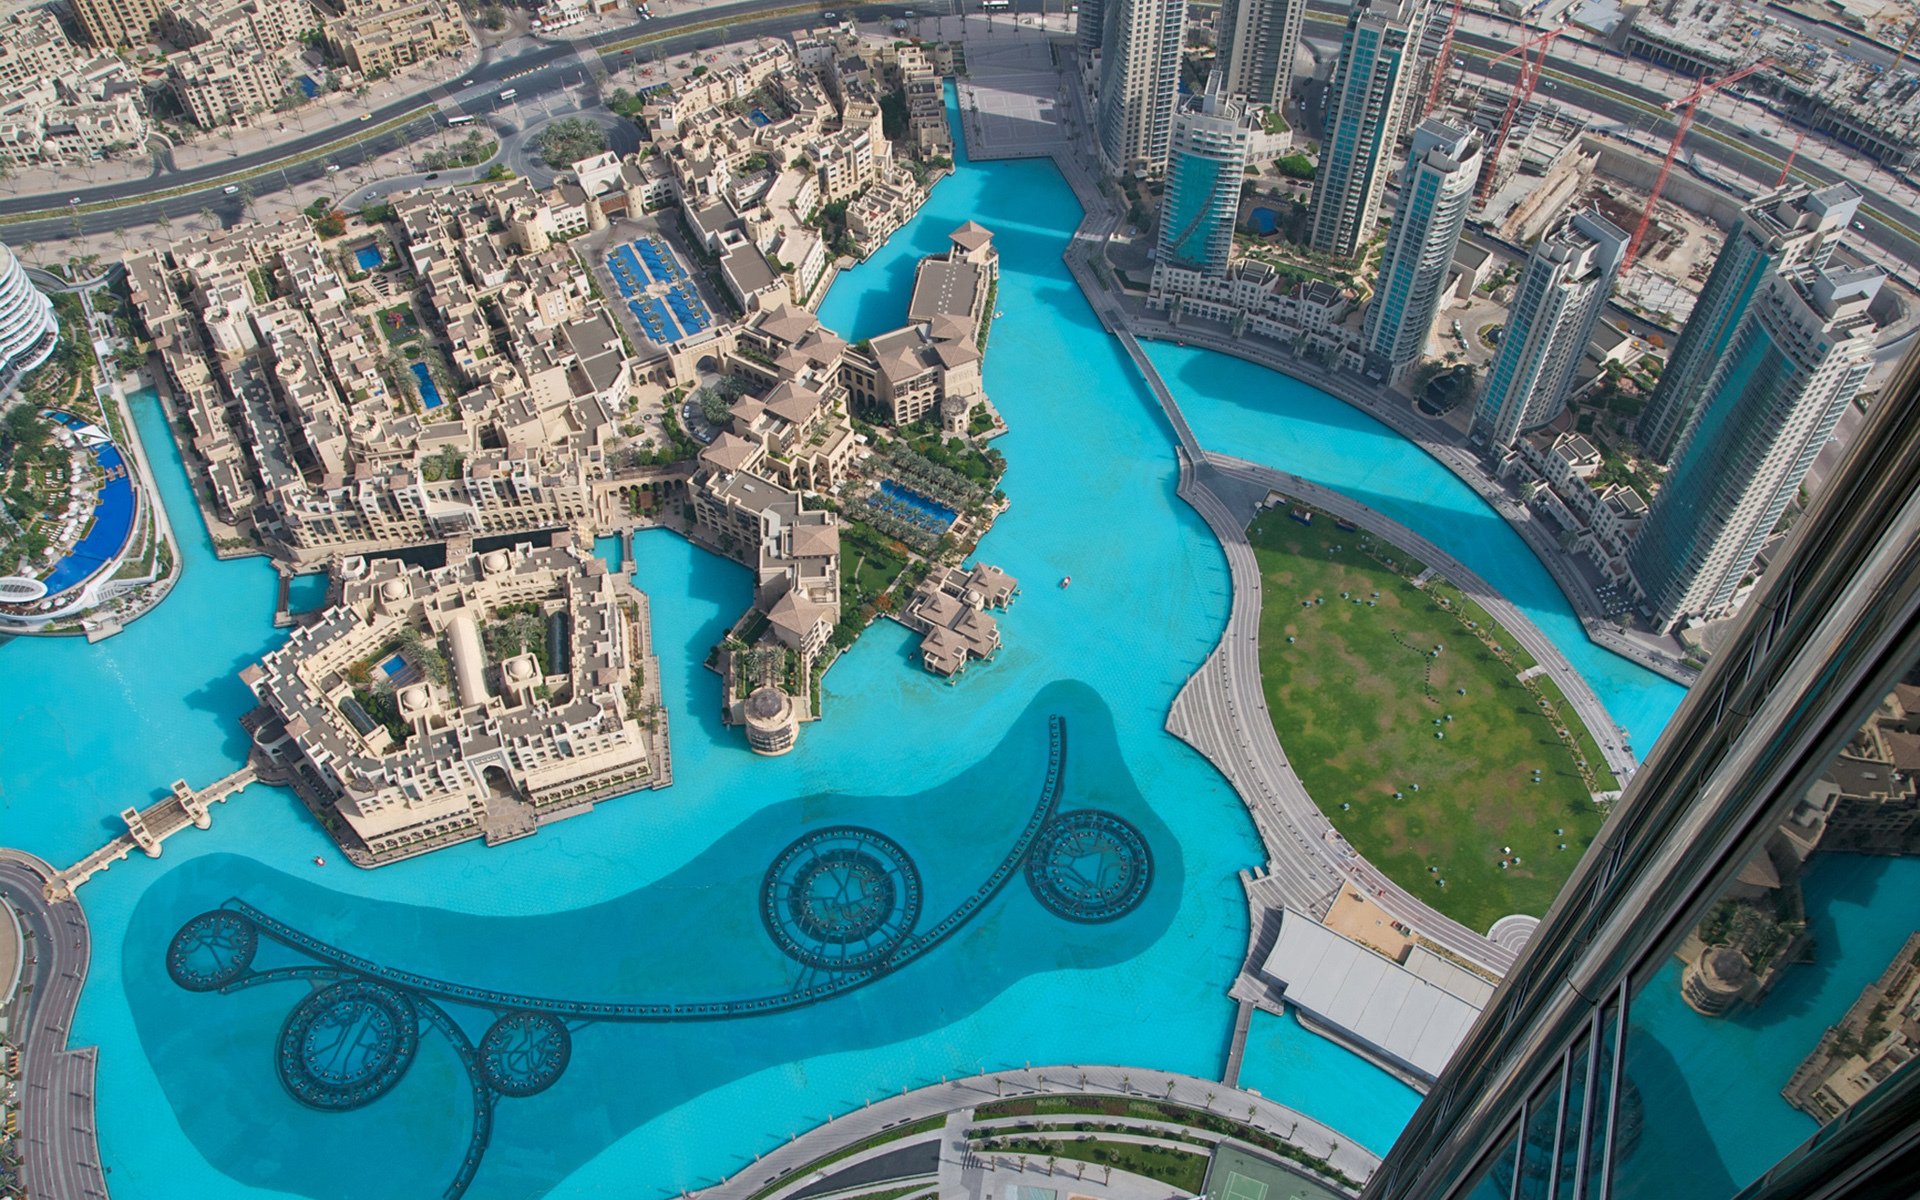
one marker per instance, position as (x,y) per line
(1729,132)
(960,1095)
(56,1119)
(551,66)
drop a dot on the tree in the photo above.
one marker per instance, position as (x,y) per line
(571,139)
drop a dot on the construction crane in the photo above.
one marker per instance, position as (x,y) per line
(1523,86)
(1787,167)
(1685,106)
(1444,62)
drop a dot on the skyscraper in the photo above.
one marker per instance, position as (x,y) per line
(1088,29)
(1365,108)
(1775,233)
(1560,297)
(1442,165)
(1794,362)
(1258,41)
(1139,82)
(28,328)
(1587,1076)
(1205,168)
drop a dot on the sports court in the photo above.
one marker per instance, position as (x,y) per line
(1235,1174)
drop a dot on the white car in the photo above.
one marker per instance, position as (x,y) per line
(232,189)
(332,167)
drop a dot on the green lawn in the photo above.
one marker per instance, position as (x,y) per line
(1355,699)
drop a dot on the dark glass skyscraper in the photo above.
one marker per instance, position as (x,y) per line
(1731,970)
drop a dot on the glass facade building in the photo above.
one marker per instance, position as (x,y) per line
(1365,107)
(1435,191)
(1794,227)
(1559,298)
(1725,999)
(1206,162)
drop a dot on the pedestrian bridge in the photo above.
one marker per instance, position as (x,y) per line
(148,828)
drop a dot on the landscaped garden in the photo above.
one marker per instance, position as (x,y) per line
(1401,709)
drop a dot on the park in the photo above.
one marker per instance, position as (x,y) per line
(1420,728)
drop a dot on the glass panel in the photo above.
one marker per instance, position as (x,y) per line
(1572,1110)
(1799,991)
(1536,1152)
(1592,1183)
(1495,1181)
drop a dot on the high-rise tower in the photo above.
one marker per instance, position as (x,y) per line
(1258,41)
(1791,367)
(1088,28)
(1365,110)
(28,328)
(1205,169)
(1593,1071)
(1786,229)
(1139,82)
(1548,327)
(1435,191)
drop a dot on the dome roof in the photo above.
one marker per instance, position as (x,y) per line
(519,669)
(393,589)
(768,704)
(494,562)
(414,697)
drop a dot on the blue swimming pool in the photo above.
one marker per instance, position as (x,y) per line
(189,1101)
(1264,221)
(429,391)
(368,257)
(759,117)
(932,509)
(112,521)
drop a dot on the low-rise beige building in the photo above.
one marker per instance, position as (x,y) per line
(483,699)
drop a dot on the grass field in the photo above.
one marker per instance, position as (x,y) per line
(1358,698)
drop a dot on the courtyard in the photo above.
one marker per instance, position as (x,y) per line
(1419,727)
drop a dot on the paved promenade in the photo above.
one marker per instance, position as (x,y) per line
(62,1159)
(1445,447)
(980,1176)
(1552,663)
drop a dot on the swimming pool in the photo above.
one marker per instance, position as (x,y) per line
(429,391)
(1264,221)
(368,257)
(188,1098)
(112,520)
(932,509)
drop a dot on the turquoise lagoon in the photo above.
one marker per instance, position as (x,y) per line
(649,895)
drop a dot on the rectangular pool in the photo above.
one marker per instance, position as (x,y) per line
(368,257)
(429,391)
(931,509)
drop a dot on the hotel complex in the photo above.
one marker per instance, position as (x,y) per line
(477,700)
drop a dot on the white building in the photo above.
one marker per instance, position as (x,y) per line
(1435,192)
(1559,299)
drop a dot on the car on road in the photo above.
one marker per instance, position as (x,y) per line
(231,189)
(332,167)
(433,177)
(366,116)
(466,83)
(830,16)
(1859,226)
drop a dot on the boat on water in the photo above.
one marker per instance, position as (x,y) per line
(318,861)
(1066,581)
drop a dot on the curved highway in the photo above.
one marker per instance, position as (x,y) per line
(550,67)
(56,1118)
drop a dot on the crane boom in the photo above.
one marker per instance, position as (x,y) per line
(1686,106)
(1445,61)
(1523,85)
